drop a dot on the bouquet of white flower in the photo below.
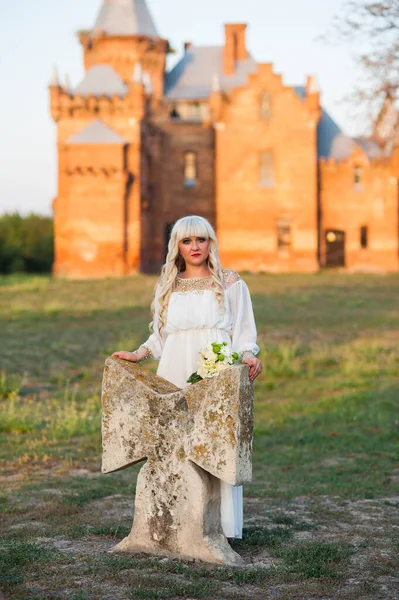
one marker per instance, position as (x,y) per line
(214,358)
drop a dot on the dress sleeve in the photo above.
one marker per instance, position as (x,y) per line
(244,328)
(155,342)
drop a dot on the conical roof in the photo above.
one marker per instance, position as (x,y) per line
(125,17)
(96,132)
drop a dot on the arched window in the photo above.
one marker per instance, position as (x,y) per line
(190,169)
(265,106)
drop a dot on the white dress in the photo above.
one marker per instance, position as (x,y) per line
(194,318)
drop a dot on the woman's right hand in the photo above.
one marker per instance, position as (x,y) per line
(132,356)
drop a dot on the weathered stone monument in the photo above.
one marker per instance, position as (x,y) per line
(191,439)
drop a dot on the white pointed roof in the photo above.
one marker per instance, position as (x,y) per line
(101,80)
(96,133)
(125,17)
(54,80)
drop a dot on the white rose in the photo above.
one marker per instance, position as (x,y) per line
(202,372)
(209,356)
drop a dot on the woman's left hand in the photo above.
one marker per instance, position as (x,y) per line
(255,366)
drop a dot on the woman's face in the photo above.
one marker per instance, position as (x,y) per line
(194,250)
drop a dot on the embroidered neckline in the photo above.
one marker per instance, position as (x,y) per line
(192,278)
(193,284)
(199,285)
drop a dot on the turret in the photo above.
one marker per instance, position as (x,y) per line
(58,95)
(123,35)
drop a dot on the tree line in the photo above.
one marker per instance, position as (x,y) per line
(26,244)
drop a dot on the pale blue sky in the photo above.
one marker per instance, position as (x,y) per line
(37,34)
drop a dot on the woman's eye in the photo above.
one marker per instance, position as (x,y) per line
(201,240)
(186,241)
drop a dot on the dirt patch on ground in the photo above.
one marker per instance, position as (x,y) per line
(366,532)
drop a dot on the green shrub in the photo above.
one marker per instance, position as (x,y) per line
(26,244)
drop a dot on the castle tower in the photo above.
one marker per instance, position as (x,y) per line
(97,213)
(124,35)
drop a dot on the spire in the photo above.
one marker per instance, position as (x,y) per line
(67,84)
(125,17)
(147,82)
(216,82)
(54,79)
(138,73)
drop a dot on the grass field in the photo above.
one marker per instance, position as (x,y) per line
(321,516)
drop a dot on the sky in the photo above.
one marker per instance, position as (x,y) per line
(35,35)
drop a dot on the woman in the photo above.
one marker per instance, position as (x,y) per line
(196,302)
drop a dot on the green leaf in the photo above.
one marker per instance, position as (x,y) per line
(194,378)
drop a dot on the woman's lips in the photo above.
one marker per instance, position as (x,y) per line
(197,254)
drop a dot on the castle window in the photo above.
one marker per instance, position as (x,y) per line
(174,113)
(358,178)
(194,111)
(266,169)
(265,106)
(284,240)
(190,169)
(364,236)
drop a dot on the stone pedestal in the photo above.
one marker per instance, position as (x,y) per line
(191,439)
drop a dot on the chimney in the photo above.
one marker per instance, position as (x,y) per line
(234,46)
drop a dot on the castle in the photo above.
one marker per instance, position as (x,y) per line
(220,136)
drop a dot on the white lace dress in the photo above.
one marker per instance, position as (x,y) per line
(194,319)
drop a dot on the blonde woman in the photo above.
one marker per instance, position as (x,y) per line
(196,302)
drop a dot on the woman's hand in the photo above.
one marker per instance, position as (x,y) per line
(132,356)
(255,366)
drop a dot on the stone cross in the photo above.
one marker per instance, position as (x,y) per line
(191,438)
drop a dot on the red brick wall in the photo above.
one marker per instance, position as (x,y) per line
(114,201)
(248,214)
(90,223)
(99,184)
(374,204)
(170,199)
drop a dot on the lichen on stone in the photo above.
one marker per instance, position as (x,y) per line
(189,438)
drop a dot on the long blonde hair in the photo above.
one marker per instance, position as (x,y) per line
(192,226)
